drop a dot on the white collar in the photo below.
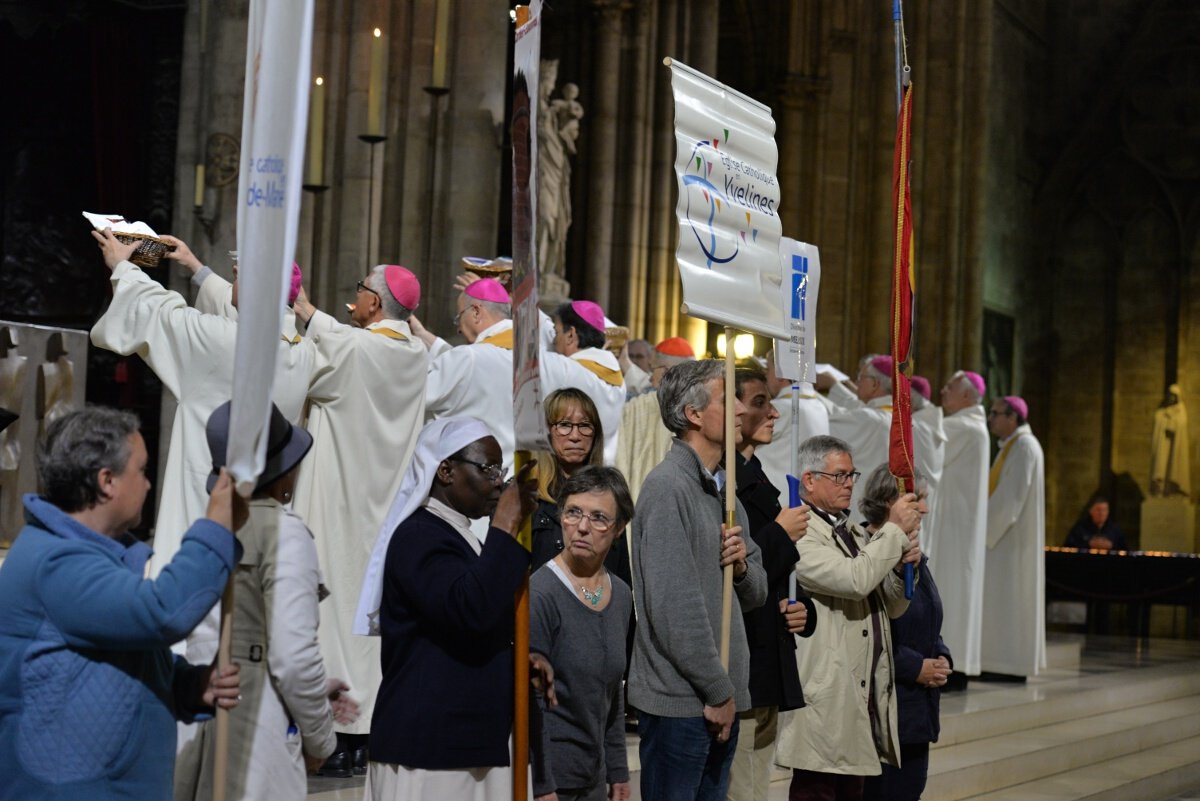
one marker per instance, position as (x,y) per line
(457,520)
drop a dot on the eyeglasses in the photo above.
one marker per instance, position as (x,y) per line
(564,427)
(466,309)
(492,472)
(839,478)
(599,521)
(993,413)
(364,288)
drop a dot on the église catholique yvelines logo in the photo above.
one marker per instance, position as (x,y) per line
(729,206)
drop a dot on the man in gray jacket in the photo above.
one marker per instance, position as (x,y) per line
(687,702)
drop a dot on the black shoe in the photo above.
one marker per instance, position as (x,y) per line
(957,683)
(338,766)
(1002,678)
(360,761)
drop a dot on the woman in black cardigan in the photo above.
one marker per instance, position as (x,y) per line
(922,663)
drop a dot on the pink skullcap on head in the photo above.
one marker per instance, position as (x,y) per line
(403,285)
(488,289)
(976,381)
(1018,405)
(590,313)
(883,364)
(675,346)
(294,289)
(921,384)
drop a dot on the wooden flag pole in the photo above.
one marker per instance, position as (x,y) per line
(221,743)
(520,757)
(730,490)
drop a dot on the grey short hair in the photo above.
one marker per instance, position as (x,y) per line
(598,478)
(961,379)
(814,451)
(502,310)
(885,381)
(667,362)
(377,281)
(75,448)
(683,386)
(879,493)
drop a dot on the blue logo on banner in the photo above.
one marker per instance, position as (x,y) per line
(799,286)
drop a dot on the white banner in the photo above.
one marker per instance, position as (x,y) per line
(274,119)
(728,205)
(795,356)
(529,424)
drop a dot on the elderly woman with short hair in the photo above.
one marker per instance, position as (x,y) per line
(922,660)
(579,621)
(89,689)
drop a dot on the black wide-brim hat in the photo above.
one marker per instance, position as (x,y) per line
(286,445)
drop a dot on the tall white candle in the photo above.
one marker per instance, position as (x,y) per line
(316,135)
(375,86)
(441,36)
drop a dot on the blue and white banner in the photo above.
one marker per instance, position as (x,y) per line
(274,122)
(795,356)
(728,207)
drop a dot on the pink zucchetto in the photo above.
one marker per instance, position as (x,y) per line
(1018,405)
(489,290)
(921,384)
(403,285)
(976,381)
(590,313)
(297,279)
(883,364)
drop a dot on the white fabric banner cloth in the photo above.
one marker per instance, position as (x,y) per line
(274,121)
(795,356)
(728,206)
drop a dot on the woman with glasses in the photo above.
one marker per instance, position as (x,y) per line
(576,439)
(579,620)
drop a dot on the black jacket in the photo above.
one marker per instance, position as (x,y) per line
(774,680)
(916,636)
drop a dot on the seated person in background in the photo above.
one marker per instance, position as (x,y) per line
(1095,530)
(89,689)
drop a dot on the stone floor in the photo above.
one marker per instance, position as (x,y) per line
(1080,672)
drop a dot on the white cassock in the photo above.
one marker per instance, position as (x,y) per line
(644,440)
(1014,587)
(192,354)
(776,457)
(596,372)
(366,408)
(960,534)
(929,455)
(866,428)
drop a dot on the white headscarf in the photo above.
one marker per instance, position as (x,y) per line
(438,441)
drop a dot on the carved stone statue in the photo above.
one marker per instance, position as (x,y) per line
(1170,472)
(558,129)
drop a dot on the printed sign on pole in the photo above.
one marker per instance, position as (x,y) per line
(728,207)
(795,356)
(274,121)
(529,425)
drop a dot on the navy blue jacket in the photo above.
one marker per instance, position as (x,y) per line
(917,636)
(446,701)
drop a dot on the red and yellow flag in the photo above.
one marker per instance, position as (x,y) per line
(904,288)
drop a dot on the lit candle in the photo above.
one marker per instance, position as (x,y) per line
(441,33)
(198,193)
(375,86)
(316,135)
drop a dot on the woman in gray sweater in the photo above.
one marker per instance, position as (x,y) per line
(579,620)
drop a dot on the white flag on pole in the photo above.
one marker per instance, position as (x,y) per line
(728,205)
(274,115)
(795,356)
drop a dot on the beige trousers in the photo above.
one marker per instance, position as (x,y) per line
(750,776)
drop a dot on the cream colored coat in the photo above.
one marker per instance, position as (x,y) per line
(192,354)
(1014,586)
(776,456)
(283,678)
(832,733)
(644,440)
(367,406)
(960,536)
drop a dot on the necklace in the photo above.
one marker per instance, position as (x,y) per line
(592,598)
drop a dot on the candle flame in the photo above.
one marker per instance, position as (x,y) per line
(320,81)
(378,33)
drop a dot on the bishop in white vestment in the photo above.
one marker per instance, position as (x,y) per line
(863,419)
(813,420)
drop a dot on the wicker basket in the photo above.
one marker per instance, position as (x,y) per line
(150,250)
(500,269)
(615,338)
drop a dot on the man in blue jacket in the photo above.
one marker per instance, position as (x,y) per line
(89,690)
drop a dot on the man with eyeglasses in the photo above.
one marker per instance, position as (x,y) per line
(849,724)
(366,408)
(1014,584)
(863,415)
